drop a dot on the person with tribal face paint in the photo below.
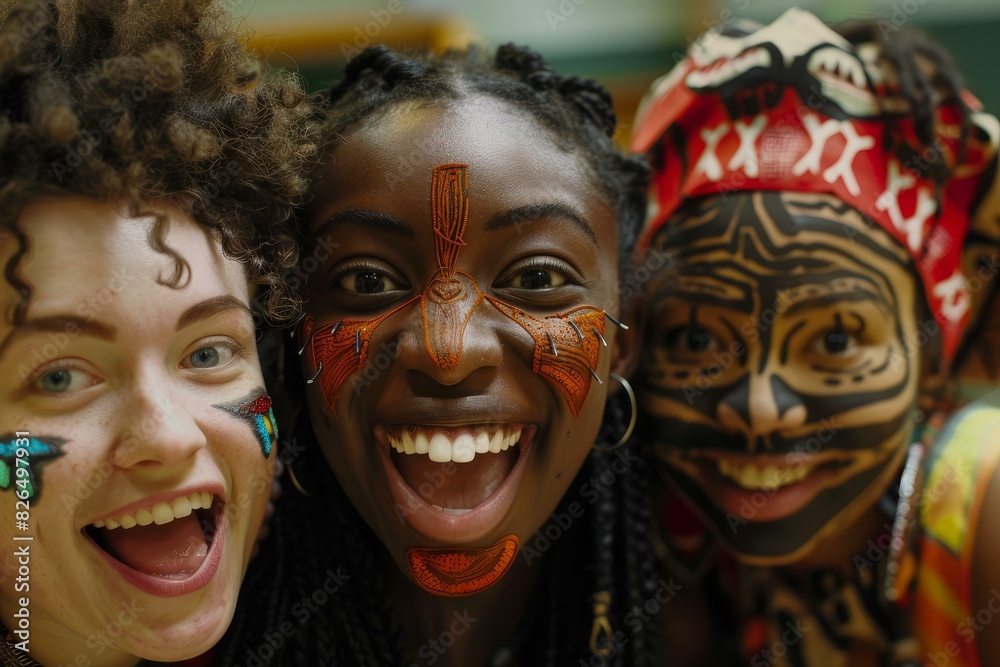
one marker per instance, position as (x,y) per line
(136,436)
(826,244)
(457,352)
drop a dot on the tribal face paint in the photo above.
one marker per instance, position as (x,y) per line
(447,304)
(782,365)
(453,354)
(26,454)
(256,409)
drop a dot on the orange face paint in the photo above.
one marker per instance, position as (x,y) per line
(459,572)
(450,296)
(564,354)
(567,345)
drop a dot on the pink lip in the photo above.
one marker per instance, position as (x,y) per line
(168,588)
(215,489)
(449,528)
(768,505)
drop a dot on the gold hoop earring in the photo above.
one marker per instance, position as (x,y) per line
(295,481)
(290,464)
(631,425)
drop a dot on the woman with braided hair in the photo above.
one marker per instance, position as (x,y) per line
(459,503)
(149,173)
(829,198)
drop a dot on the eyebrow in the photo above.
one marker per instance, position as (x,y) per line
(209,307)
(372,219)
(60,324)
(823,300)
(534,212)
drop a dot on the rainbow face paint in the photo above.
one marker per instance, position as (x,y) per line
(256,410)
(33,453)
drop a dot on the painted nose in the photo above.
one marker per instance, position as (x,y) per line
(455,346)
(761,404)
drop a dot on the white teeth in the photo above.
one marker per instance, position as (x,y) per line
(160,513)
(463,449)
(495,442)
(442,447)
(448,510)
(181,507)
(768,478)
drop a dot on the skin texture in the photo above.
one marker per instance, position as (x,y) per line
(792,343)
(132,389)
(526,202)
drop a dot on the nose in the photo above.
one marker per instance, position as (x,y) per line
(760,404)
(460,364)
(159,430)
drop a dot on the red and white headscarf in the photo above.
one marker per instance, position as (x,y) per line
(794,106)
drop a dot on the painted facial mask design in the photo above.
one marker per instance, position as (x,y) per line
(780,376)
(566,350)
(567,345)
(26,454)
(256,409)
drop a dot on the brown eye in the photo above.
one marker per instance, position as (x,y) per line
(368,281)
(836,342)
(690,339)
(535,279)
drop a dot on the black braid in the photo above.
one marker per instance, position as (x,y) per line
(900,49)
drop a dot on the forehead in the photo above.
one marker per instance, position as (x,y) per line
(780,241)
(512,159)
(84,252)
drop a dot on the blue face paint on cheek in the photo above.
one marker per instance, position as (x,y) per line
(256,409)
(21,459)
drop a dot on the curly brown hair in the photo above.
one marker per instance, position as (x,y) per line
(154,103)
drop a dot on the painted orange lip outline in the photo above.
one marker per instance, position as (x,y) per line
(454,572)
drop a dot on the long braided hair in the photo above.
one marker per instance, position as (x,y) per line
(314,539)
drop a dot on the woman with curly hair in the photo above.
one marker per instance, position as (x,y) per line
(456,361)
(148,175)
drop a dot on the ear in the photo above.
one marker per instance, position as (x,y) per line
(628,342)
(935,373)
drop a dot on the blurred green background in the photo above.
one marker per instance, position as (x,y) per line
(623,43)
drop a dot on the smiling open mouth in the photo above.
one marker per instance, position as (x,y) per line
(166,541)
(454,483)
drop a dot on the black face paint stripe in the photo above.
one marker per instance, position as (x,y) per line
(738,398)
(788,339)
(823,436)
(785,398)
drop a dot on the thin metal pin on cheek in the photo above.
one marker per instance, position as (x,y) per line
(318,371)
(575,328)
(305,343)
(622,326)
(357,342)
(596,376)
(333,331)
(552,344)
(598,334)
(294,326)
